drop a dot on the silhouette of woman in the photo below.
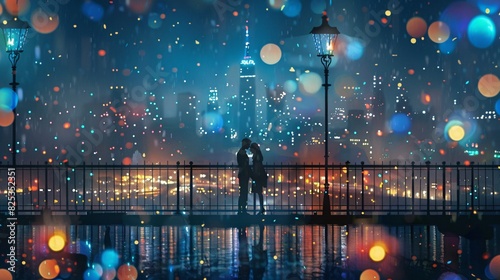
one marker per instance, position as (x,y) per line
(259,174)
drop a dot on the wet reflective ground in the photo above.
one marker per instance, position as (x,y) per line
(254,252)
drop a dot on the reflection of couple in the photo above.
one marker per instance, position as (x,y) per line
(245,172)
(259,256)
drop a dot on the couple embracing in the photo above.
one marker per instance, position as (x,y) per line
(245,172)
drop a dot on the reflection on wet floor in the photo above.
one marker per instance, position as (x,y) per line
(254,252)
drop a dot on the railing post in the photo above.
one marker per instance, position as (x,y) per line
(347,186)
(67,186)
(472,186)
(84,188)
(46,185)
(458,187)
(444,188)
(428,164)
(413,188)
(363,187)
(178,211)
(191,187)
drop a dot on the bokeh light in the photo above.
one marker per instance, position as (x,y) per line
(91,274)
(416,27)
(497,107)
(98,269)
(369,274)
(489,85)
(318,6)
(292,8)
(109,259)
(17,7)
(400,123)
(139,6)
(108,274)
(425,98)
(57,242)
(276,4)
(5,274)
(43,23)
(154,20)
(213,121)
(458,15)
(49,269)
(6,118)
(84,247)
(126,161)
(8,99)
(92,10)
(310,83)
(495,267)
(439,32)
(127,272)
(449,276)
(492,5)
(290,86)
(377,253)
(448,46)
(481,31)
(270,53)
(456,133)
(354,49)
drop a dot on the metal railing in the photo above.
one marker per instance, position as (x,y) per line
(423,189)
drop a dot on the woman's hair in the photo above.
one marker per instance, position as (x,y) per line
(255,146)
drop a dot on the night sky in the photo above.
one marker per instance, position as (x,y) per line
(129,81)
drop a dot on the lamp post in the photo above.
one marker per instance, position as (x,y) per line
(14,32)
(324,37)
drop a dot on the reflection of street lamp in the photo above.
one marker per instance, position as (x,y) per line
(14,33)
(325,37)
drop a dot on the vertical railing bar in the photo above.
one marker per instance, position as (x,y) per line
(75,190)
(296,189)
(428,166)
(178,188)
(347,187)
(363,187)
(413,188)
(84,187)
(458,187)
(46,188)
(444,189)
(66,186)
(153,205)
(191,187)
(472,187)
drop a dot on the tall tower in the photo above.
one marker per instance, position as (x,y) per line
(247,92)
(213,101)
(378,120)
(378,106)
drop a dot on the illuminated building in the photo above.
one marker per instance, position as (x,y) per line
(247,92)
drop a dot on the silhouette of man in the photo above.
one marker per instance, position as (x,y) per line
(244,172)
(259,257)
(243,256)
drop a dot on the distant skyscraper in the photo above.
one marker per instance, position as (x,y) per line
(213,101)
(247,92)
(378,122)
(378,106)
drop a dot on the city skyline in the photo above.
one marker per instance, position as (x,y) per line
(111,82)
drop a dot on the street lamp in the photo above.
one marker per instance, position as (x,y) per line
(14,32)
(324,37)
